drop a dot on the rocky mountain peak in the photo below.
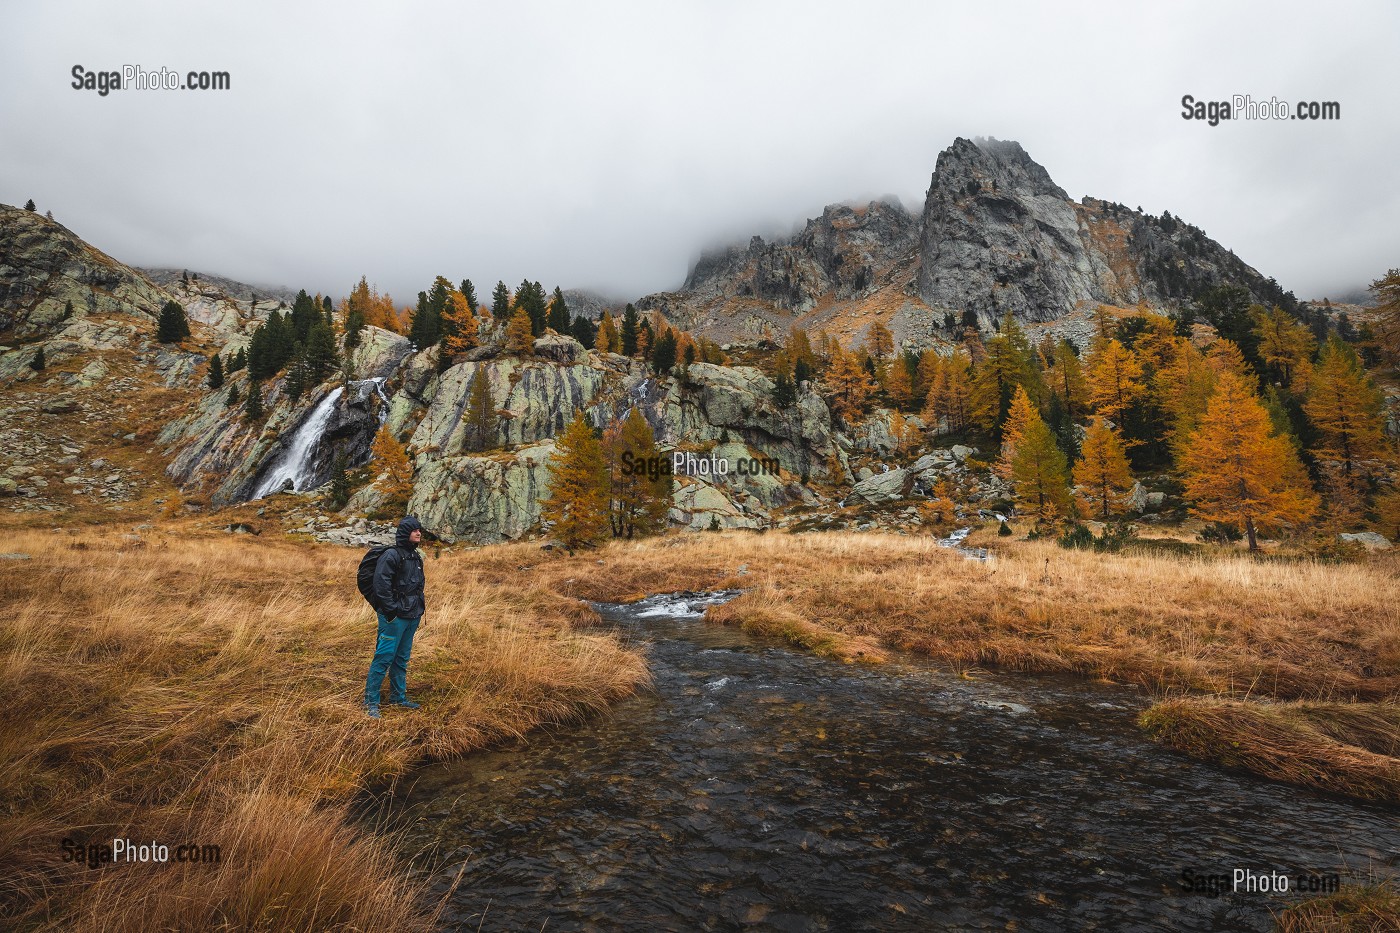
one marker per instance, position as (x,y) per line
(994,164)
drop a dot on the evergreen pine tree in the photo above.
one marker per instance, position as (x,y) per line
(304,315)
(172,326)
(216,371)
(232,395)
(1009,363)
(422,329)
(468,291)
(558,318)
(322,358)
(663,356)
(784,392)
(354,323)
(67,309)
(29,205)
(500,302)
(340,483)
(583,330)
(298,375)
(253,404)
(1066,380)
(37,364)
(629,331)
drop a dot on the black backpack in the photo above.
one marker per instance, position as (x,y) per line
(365,577)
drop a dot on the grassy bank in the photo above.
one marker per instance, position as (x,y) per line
(1223,630)
(181,688)
(1226,624)
(1347,748)
(193,686)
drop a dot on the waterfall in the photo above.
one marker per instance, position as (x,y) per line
(295,461)
(383,398)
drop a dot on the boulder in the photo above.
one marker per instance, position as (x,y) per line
(883,487)
(559,349)
(1370,540)
(697,504)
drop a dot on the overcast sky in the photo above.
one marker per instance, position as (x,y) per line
(603,145)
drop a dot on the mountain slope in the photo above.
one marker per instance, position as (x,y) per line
(996,235)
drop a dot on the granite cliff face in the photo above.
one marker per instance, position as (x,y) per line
(996,235)
(843,255)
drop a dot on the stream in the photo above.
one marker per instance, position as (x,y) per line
(762,788)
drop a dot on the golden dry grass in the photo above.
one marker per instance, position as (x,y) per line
(1347,748)
(1221,624)
(206,689)
(1370,908)
(1227,623)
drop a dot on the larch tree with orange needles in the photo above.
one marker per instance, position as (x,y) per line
(607,340)
(1238,470)
(520,334)
(879,342)
(639,497)
(392,460)
(459,326)
(577,505)
(899,386)
(1039,473)
(1114,379)
(849,383)
(1065,380)
(1017,419)
(1347,411)
(1102,473)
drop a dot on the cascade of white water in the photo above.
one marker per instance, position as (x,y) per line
(295,461)
(383,398)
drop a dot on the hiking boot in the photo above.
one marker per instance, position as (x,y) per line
(407,704)
(372,712)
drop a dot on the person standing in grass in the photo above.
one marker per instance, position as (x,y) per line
(398,592)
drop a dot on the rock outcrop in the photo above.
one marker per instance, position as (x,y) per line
(996,235)
(844,254)
(45,268)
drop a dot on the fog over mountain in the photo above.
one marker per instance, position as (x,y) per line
(604,146)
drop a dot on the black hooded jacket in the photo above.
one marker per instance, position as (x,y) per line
(398,577)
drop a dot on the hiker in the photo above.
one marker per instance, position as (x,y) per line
(398,600)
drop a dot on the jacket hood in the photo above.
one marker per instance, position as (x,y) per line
(406,528)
